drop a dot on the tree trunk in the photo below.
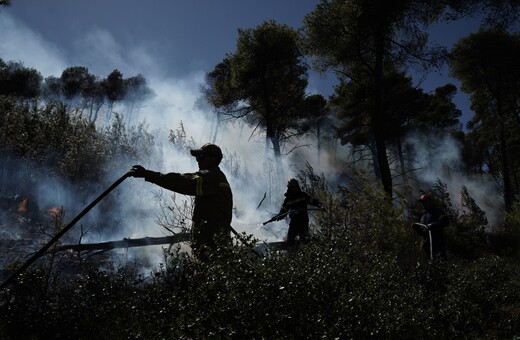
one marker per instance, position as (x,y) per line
(273,138)
(504,160)
(318,132)
(377,121)
(399,147)
(377,169)
(277,158)
(217,125)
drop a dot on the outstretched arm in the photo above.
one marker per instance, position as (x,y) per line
(187,184)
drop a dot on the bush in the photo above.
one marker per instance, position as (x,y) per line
(312,292)
(356,278)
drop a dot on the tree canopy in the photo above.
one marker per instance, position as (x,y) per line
(76,85)
(263,82)
(356,39)
(486,63)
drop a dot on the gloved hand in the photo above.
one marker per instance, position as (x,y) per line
(138,171)
(418,226)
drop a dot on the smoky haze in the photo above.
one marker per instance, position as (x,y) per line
(135,206)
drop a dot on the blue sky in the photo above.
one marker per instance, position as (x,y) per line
(168,39)
(180,36)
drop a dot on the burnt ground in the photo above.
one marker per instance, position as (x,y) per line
(25,229)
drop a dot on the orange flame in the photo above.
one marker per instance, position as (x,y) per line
(55,212)
(22,206)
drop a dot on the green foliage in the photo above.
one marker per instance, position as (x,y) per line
(466,234)
(76,86)
(128,143)
(372,219)
(263,82)
(472,216)
(51,138)
(480,296)
(357,40)
(350,281)
(19,81)
(180,141)
(506,240)
(494,97)
(494,13)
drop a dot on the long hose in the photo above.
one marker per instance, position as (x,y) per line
(431,243)
(42,251)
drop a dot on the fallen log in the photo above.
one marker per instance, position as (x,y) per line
(126,243)
(149,241)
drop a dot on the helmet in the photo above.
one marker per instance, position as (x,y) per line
(208,149)
(293,183)
(424,198)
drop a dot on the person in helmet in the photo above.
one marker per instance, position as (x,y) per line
(212,212)
(295,205)
(431,228)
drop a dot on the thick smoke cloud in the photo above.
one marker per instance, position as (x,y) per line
(248,165)
(174,104)
(440,159)
(18,43)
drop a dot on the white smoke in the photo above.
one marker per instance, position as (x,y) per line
(18,43)
(440,159)
(248,166)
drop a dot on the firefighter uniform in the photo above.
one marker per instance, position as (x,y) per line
(431,229)
(212,212)
(295,204)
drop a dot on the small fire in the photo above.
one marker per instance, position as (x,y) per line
(56,212)
(23,211)
(22,206)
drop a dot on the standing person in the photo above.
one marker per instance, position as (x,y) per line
(295,204)
(212,213)
(431,228)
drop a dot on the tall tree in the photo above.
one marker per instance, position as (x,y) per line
(84,89)
(400,103)
(93,95)
(136,90)
(19,81)
(441,114)
(357,38)
(114,88)
(317,118)
(263,82)
(75,81)
(219,93)
(487,65)
(51,88)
